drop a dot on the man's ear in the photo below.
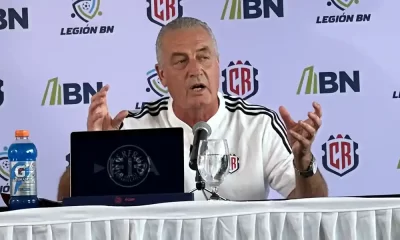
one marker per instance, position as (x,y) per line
(160,73)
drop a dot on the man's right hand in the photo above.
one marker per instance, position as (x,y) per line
(99,119)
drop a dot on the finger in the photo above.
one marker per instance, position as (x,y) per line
(101,94)
(116,122)
(97,110)
(98,99)
(105,88)
(308,128)
(96,102)
(318,109)
(285,115)
(96,117)
(92,122)
(305,143)
(317,122)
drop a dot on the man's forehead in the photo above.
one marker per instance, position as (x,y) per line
(187,37)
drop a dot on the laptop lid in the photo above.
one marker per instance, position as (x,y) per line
(124,162)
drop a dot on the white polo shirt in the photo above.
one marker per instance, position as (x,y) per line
(255,134)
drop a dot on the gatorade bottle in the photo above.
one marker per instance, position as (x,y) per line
(22,156)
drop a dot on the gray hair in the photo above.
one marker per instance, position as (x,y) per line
(182,23)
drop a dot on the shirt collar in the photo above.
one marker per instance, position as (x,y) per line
(214,121)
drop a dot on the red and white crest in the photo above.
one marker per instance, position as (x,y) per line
(161,12)
(233,163)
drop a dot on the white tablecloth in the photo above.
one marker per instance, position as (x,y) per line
(308,219)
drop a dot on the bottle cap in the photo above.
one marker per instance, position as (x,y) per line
(21,133)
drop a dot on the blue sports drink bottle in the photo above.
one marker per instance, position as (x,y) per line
(22,155)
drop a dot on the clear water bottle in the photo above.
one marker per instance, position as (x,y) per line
(22,155)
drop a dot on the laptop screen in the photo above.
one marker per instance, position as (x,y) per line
(123,162)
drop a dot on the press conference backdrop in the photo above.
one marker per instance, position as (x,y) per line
(341,53)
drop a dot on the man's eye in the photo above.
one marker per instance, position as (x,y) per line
(180,61)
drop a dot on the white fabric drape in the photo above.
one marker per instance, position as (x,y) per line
(308,219)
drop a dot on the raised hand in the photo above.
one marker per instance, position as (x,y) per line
(99,118)
(301,134)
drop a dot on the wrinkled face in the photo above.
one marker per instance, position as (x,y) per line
(189,67)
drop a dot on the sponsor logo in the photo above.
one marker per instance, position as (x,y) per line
(396,94)
(344,5)
(68,93)
(129,166)
(233,163)
(251,9)
(68,158)
(161,12)
(123,200)
(341,155)
(24,178)
(155,86)
(240,80)
(4,171)
(312,82)
(11,18)
(1,92)
(86,11)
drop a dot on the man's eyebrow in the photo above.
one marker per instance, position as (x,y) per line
(203,49)
(178,54)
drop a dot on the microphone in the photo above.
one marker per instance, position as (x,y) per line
(201,131)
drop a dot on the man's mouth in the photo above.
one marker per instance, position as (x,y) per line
(198,87)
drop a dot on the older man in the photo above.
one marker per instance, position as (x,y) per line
(270,154)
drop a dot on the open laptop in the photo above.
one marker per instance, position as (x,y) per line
(127,162)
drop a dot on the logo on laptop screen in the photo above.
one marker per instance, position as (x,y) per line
(129,166)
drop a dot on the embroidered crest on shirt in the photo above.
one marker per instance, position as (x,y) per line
(233,163)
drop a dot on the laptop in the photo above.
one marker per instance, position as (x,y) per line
(127,162)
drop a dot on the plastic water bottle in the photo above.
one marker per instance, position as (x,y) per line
(22,155)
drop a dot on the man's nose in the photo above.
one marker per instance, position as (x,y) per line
(194,68)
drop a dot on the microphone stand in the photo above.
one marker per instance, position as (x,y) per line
(201,185)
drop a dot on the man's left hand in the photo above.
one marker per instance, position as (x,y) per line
(302,134)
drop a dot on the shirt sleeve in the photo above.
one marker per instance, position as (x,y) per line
(278,158)
(129,121)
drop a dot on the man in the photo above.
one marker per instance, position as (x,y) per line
(188,64)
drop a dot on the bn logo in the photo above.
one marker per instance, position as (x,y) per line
(251,9)
(240,80)
(162,12)
(340,155)
(10,18)
(68,93)
(313,82)
(233,163)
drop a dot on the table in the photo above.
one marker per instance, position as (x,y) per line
(324,218)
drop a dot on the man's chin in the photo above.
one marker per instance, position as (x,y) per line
(199,101)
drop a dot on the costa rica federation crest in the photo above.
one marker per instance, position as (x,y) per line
(340,155)
(233,163)
(240,80)
(161,12)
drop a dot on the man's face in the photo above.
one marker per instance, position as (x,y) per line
(189,67)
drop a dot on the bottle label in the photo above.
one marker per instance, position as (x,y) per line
(23,178)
